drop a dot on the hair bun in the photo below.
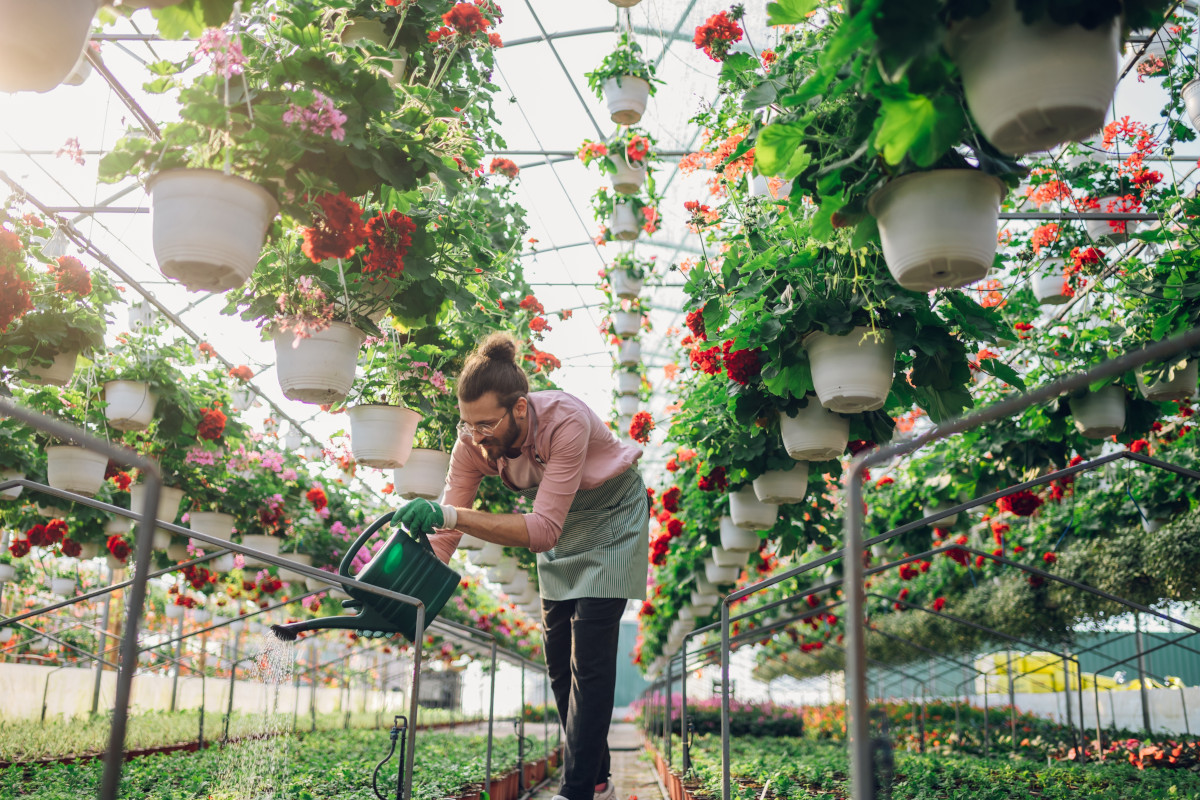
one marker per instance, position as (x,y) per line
(499,347)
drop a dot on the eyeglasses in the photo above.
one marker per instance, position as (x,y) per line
(474,432)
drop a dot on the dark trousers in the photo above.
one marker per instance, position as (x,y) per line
(581,657)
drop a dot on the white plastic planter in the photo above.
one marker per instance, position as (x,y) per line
(173,611)
(141,315)
(129,405)
(40,41)
(623,224)
(623,423)
(262,543)
(295,577)
(201,616)
(63,587)
(51,512)
(781,487)
(74,469)
(241,399)
(207,227)
(318,369)
(760,186)
(160,540)
(629,353)
(625,285)
(213,523)
(629,383)
(750,513)
(1180,387)
(88,551)
(626,98)
(814,433)
(1099,414)
(1030,87)
(1191,98)
(737,539)
(944,522)
(117,526)
(730,558)
(627,323)
(424,474)
(7,573)
(470,543)
(1049,285)
(382,436)
(627,179)
(624,3)
(113,563)
(168,501)
(6,635)
(487,556)
(57,374)
(80,72)
(10,475)
(718,574)
(627,405)
(222,564)
(852,373)
(503,572)
(372,30)
(1111,232)
(938,228)
(177,550)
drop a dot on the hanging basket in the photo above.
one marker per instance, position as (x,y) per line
(624,3)
(241,399)
(1101,413)
(852,373)
(626,97)
(57,374)
(80,72)
(7,573)
(629,353)
(262,543)
(627,179)
(470,543)
(944,522)
(88,550)
(1050,285)
(1181,386)
(1031,87)
(63,587)
(629,383)
(627,323)
(814,433)
(623,224)
(11,475)
(782,487)
(749,512)
(74,469)
(487,556)
(735,539)
(320,368)
(129,405)
(625,285)
(372,30)
(168,501)
(173,611)
(40,41)
(1191,98)
(423,475)
(212,523)
(381,436)
(730,558)
(1110,232)
(718,574)
(295,577)
(627,405)
(938,228)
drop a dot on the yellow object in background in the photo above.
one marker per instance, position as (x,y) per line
(1045,672)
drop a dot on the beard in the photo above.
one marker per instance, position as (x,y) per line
(493,448)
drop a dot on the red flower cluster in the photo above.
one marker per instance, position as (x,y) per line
(886,480)
(715,481)
(316,496)
(19,548)
(270,585)
(1022,503)
(674,528)
(707,361)
(1138,445)
(639,429)
(494,40)
(71,276)
(938,604)
(336,231)
(741,365)
(659,549)
(15,291)
(466,19)
(670,499)
(1049,558)
(505,167)
(859,445)
(71,548)
(198,577)
(716,35)
(539,324)
(212,424)
(118,548)
(530,303)
(638,148)
(389,236)
(695,324)
(242,373)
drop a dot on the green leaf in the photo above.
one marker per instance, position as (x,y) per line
(1002,371)
(789,12)
(777,146)
(918,128)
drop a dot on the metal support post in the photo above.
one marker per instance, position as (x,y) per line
(1141,664)
(487,784)
(232,688)
(1099,730)
(726,788)
(684,744)
(104,615)
(413,705)
(521,787)
(175,669)
(667,713)
(1012,699)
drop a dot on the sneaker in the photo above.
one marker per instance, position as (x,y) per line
(609,793)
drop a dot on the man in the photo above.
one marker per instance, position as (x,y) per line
(589,527)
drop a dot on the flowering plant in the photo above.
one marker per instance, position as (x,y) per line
(396,371)
(146,355)
(628,262)
(644,207)
(632,146)
(625,60)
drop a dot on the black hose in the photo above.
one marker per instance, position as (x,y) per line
(395,732)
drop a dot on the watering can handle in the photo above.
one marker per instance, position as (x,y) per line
(348,558)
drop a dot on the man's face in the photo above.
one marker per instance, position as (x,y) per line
(495,428)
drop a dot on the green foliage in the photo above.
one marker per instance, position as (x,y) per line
(626,59)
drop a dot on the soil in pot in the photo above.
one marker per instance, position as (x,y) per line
(626,98)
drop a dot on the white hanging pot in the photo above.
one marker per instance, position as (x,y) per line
(262,543)
(208,228)
(735,539)
(292,440)
(57,374)
(241,399)
(80,72)
(503,572)
(201,616)
(944,522)
(11,475)
(704,601)
(629,383)
(212,523)
(938,228)
(40,41)
(74,469)
(320,368)
(1050,285)
(7,573)
(781,487)
(1111,232)
(627,323)
(381,436)
(624,3)
(625,285)
(730,558)
(160,540)
(6,635)
(1101,413)
(116,526)
(852,373)
(814,433)
(629,353)
(40,644)
(51,512)
(1030,87)
(113,563)
(173,611)
(424,474)
(627,405)
(760,186)
(177,550)
(718,574)
(1191,98)
(627,179)
(1181,386)
(314,585)
(487,556)
(626,98)
(372,30)
(168,501)
(88,550)
(63,587)
(750,513)
(291,576)
(623,224)
(129,405)
(624,421)
(222,564)
(141,315)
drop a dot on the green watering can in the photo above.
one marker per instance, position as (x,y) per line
(402,565)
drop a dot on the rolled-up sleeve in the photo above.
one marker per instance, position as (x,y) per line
(560,482)
(462,485)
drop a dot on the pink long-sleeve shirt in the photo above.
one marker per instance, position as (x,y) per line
(566,448)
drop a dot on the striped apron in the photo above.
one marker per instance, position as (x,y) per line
(605,543)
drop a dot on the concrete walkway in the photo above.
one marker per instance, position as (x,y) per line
(633,777)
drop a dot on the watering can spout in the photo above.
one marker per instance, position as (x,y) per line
(292,630)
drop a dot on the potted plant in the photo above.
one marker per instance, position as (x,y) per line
(627,215)
(627,274)
(782,486)
(630,381)
(629,353)
(1100,413)
(626,318)
(18,455)
(624,80)
(137,373)
(625,159)
(40,42)
(70,466)
(813,432)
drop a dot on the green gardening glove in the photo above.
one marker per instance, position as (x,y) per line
(421,516)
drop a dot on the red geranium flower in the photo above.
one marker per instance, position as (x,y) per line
(19,548)
(1022,503)
(389,236)
(56,531)
(714,481)
(741,365)
(316,496)
(71,276)
(466,19)
(639,429)
(118,547)
(716,35)
(37,536)
(505,167)
(674,527)
(242,373)
(707,361)
(212,424)
(939,603)
(670,499)
(695,324)
(638,148)
(1049,558)
(1138,445)
(672,464)
(71,548)
(337,231)
(494,40)
(15,293)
